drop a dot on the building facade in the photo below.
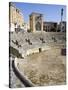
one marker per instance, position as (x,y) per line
(36,22)
(50,26)
(16,19)
(62,26)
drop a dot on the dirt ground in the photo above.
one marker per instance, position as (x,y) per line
(45,68)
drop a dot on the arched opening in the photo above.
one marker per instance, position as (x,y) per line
(38,26)
(40,50)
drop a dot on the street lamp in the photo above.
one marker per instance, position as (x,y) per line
(61,18)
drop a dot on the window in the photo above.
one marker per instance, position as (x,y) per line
(17,10)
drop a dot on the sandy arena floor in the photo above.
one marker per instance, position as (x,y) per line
(45,68)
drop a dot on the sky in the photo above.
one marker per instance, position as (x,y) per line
(50,12)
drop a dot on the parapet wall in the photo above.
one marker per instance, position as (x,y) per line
(21,75)
(35,50)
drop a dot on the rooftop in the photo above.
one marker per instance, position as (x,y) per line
(35,13)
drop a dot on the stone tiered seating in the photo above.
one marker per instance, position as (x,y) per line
(24,41)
